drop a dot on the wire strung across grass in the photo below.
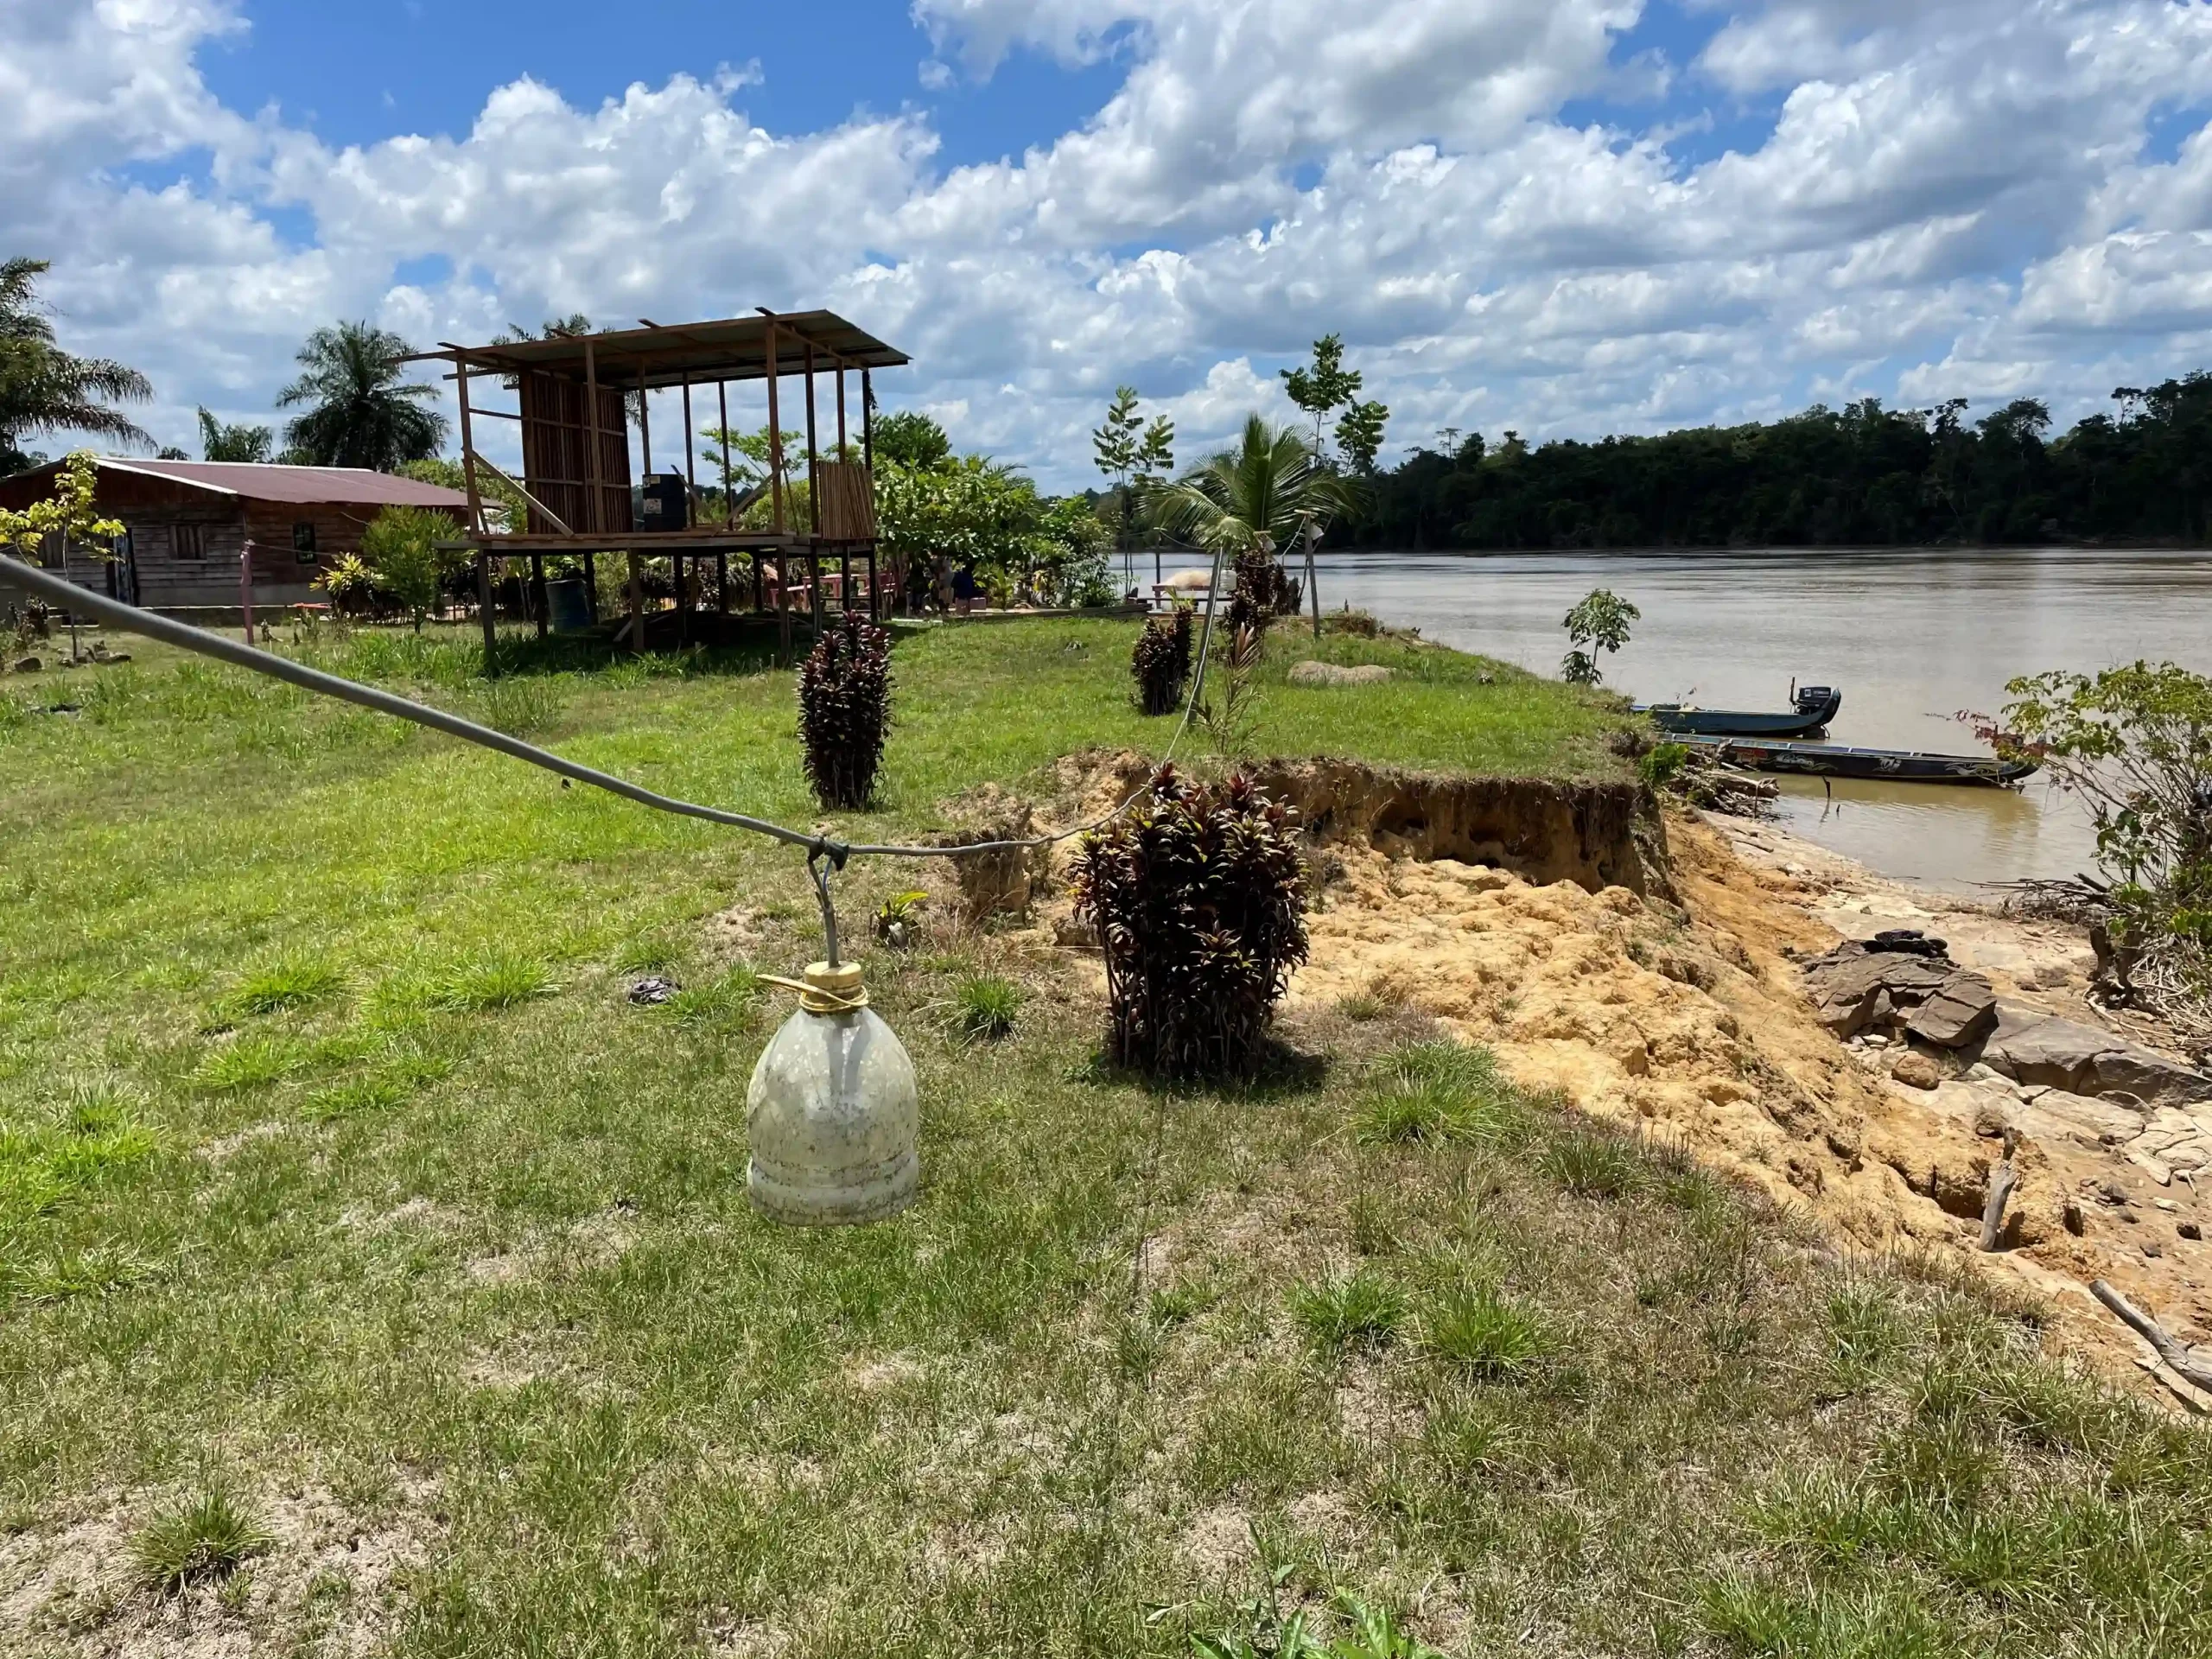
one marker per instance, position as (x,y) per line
(66,594)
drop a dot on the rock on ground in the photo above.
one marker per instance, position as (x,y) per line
(2031,1048)
(1855,986)
(1335,674)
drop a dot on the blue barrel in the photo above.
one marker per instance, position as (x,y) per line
(567,607)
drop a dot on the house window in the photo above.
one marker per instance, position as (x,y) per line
(304,542)
(190,542)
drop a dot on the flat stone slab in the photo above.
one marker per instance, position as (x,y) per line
(1336,674)
(1855,986)
(2031,1048)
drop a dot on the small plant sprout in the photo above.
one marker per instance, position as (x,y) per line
(898,920)
(1338,1315)
(1601,620)
(987,1006)
(1483,1333)
(204,1537)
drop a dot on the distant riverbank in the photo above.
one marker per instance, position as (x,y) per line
(1912,635)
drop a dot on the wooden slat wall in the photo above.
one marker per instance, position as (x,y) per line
(556,465)
(848,499)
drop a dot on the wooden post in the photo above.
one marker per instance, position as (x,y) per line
(245,586)
(841,409)
(645,427)
(759,588)
(684,599)
(775,446)
(867,423)
(490,622)
(845,579)
(875,588)
(537,591)
(637,602)
(468,448)
(691,471)
(814,587)
(1313,580)
(729,498)
(784,604)
(591,586)
(721,581)
(813,464)
(591,441)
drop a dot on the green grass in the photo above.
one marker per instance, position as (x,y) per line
(208,1535)
(331,1148)
(986,1006)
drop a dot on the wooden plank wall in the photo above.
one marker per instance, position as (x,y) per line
(848,499)
(556,462)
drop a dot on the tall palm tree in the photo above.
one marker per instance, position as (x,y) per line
(44,388)
(363,413)
(1255,499)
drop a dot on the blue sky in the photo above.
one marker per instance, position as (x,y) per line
(1568,217)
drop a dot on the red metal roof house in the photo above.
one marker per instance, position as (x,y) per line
(187,522)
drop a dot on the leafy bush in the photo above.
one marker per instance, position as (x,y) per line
(2135,744)
(1262,591)
(1361,1310)
(400,546)
(844,710)
(1199,897)
(987,1007)
(1161,662)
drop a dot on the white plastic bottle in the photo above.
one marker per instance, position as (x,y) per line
(832,1112)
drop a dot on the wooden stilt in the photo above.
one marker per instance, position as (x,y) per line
(729,496)
(484,609)
(591,586)
(759,588)
(814,586)
(813,462)
(637,624)
(784,605)
(721,581)
(537,591)
(684,599)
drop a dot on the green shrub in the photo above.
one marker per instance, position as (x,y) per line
(1360,1310)
(400,546)
(987,1006)
(1161,663)
(845,711)
(204,1537)
(1199,897)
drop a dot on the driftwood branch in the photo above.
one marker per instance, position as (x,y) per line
(2177,1359)
(2003,1178)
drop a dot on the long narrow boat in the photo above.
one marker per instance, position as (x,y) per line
(1840,760)
(1816,706)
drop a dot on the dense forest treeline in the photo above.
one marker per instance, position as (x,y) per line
(1859,475)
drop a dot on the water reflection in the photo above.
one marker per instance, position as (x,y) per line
(1912,636)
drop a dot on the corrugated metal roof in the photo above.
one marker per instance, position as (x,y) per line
(731,348)
(256,482)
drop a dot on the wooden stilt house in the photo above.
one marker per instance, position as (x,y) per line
(572,403)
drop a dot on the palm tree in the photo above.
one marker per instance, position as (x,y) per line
(363,415)
(1253,498)
(44,389)
(239,442)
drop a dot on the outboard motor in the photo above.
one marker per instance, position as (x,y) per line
(1811,699)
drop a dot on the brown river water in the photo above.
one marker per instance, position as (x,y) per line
(1912,636)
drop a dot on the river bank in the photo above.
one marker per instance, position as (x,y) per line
(1670,996)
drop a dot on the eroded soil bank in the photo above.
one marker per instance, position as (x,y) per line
(1653,975)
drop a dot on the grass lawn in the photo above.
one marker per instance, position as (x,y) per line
(373,1273)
